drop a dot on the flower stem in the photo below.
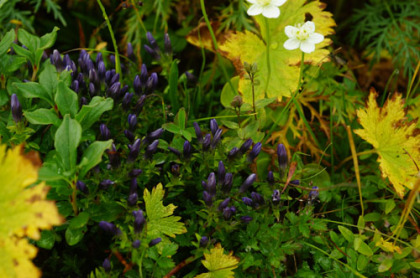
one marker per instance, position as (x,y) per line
(114,42)
(268,42)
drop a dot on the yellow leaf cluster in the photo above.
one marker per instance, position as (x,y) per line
(24,211)
(219,264)
(396,140)
(248,47)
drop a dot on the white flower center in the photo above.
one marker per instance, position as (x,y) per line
(264,2)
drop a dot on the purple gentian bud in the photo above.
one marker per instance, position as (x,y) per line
(255,151)
(106,265)
(139,220)
(246,219)
(227,213)
(248,182)
(257,198)
(137,84)
(105,184)
(187,149)
(211,184)
(132,121)
(168,45)
(213,126)
(140,104)
(105,133)
(101,70)
(233,152)
(114,157)
(93,77)
(152,52)
(152,41)
(130,53)
(82,187)
(175,169)
(155,241)
(143,74)
(282,157)
(75,86)
(295,182)
(190,77)
(221,172)
(175,151)
(133,185)
(203,241)
(245,146)
(198,132)
(83,101)
(227,183)
(270,177)
(92,89)
(56,60)
(135,173)
(151,149)
(206,141)
(224,204)
(124,90)
(114,90)
(134,150)
(151,83)
(126,101)
(247,201)
(314,193)
(132,199)
(136,244)
(129,135)
(16,108)
(115,78)
(109,227)
(154,134)
(216,138)
(66,59)
(108,76)
(99,58)
(276,196)
(207,198)
(112,59)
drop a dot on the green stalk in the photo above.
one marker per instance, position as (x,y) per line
(216,48)
(302,116)
(268,42)
(114,42)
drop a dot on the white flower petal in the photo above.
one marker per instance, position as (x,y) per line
(271,12)
(315,38)
(277,3)
(255,10)
(307,46)
(310,26)
(291,44)
(252,1)
(290,31)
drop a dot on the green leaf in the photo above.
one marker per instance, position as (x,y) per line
(48,78)
(373,216)
(389,206)
(347,234)
(79,221)
(362,262)
(24,53)
(33,90)
(93,155)
(361,223)
(385,265)
(74,236)
(30,41)
(66,100)
(173,85)
(186,134)
(47,240)
(181,118)
(159,219)
(11,63)
(171,127)
(227,94)
(219,264)
(7,41)
(42,116)
(361,247)
(91,113)
(48,39)
(67,139)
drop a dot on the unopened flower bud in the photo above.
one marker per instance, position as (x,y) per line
(16,108)
(206,142)
(248,182)
(216,138)
(105,133)
(237,102)
(132,199)
(246,219)
(282,157)
(224,204)
(167,44)
(227,183)
(139,220)
(255,151)
(155,241)
(106,265)
(136,244)
(245,146)
(152,41)
(105,184)
(213,126)
(203,241)
(137,84)
(151,149)
(207,198)
(187,149)
(276,196)
(198,132)
(221,172)
(129,135)
(82,187)
(132,121)
(257,198)
(247,201)
(270,177)
(134,150)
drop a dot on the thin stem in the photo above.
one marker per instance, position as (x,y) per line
(216,48)
(268,42)
(412,81)
(74,198)
(114,42)
(358,154)
(396,71)
(251,77)
(302,116)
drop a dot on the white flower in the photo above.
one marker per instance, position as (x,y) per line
(303,37)
(268,8)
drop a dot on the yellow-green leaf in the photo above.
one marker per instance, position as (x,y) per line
(248,47)
(159,219)
(396,141)
(219,264)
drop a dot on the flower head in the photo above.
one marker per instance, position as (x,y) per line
(303,37)
(268,8)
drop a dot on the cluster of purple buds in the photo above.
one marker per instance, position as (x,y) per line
(109,227)
(235,152)
(16,108)
(257,199)
(139,221)
(209,189)
(228,212)
(64,63)
(154,49)
(134,150)
(82,187)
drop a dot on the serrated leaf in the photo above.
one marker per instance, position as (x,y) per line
(23,212)
(248,47)
(219,264)
(159,219)
(395,140)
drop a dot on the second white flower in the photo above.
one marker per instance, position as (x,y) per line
(303,37)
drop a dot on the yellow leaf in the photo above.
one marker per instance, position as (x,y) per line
(248,47)
(388,246)
(24,211)
(219,264)
(396,141)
